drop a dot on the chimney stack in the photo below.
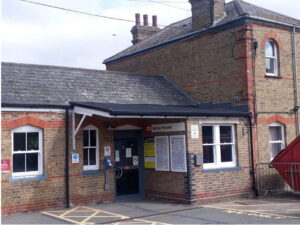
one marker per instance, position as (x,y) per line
(141,32)
(137,19)
(146,20)
(154,21)
(206,12)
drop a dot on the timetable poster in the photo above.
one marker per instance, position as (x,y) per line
(178,153)
(149,152)
(162,153)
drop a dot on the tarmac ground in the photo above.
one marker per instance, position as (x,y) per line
(271,210)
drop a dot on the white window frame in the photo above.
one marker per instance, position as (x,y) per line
(217,148)
(276,124)
(275,57)
(28,129)
(92,167)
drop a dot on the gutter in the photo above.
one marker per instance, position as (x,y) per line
(252,172)
(194,34)
(67,189)
(34,106)
(295,74)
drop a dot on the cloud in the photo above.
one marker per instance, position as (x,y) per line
(41,35)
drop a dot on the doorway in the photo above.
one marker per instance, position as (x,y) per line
(129,164)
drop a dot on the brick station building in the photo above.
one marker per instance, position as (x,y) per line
(72,136)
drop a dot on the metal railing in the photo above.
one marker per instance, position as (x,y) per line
(278,177)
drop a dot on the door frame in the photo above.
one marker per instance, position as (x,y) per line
(139,136)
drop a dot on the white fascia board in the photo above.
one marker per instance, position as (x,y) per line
(17,109)
(90,112)
(220,120)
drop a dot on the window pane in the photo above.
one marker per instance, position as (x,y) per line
(92,156)
(19,142)
(33,141)
(85,138)
(275,149)
(270,49)
(275,133)
(32,162)
(208,154)
(270,65)
(92,137)
(207,135)
(19,163)
(85,157)
(225,134)
(226,153)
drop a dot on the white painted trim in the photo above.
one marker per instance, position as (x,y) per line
(219,120)
(92,167)
(14,109)
(217,148)
(27,129)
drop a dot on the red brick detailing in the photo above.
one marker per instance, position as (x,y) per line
(275,37)
(26,120)
(274,119)
(32,206)
(29,120)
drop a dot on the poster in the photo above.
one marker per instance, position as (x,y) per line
(162,153)
(150,162)
(107,151)
(5,165)
(135,160)
(149,147)
(128,152)
(194,131)
(149,153)
(117,156)
(178,153)
(75,158)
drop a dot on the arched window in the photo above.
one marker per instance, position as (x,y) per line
(271,54)
(27,151)
(90,148)
(276,133)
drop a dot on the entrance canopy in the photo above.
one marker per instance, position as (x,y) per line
(151,111)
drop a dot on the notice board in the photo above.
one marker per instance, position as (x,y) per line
(162,153)
(178,153)
(149,152)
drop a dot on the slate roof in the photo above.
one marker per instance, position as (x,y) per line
(234,10)
(26,84)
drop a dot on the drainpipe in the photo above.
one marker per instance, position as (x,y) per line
(67,191)
(252,157)
(296,109)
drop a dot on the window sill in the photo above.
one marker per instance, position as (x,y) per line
(28,178)
(273,76)
(221,169)
(91,172)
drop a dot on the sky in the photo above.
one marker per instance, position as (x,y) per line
(42,35)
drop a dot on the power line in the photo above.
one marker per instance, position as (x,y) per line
(165,3)
(80,12)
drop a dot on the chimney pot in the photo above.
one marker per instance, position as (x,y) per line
(154,21)
(146,20)
(137,19)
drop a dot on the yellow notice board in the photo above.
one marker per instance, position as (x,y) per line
(149,152)
(149,147)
